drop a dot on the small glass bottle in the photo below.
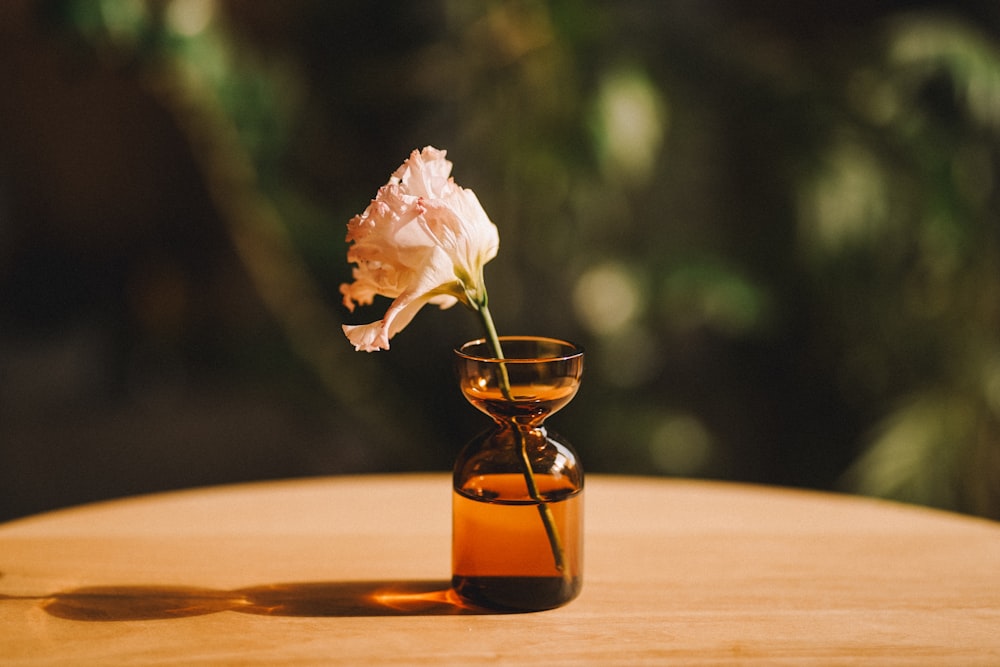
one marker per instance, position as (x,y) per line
(517,517)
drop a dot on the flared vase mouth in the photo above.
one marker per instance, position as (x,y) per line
(520,349)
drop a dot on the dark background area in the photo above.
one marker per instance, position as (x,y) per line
(773,226)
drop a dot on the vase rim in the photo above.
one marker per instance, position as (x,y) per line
(570,350)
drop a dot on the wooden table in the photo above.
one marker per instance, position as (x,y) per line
(354,571)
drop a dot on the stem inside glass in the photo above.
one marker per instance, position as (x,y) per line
(522,380)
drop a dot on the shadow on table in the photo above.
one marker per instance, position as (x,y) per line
(315,599)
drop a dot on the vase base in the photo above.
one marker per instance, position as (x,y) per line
(517,593)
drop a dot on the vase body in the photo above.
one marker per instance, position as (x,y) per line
(517,513)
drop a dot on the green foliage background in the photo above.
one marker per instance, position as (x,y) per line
(773,228)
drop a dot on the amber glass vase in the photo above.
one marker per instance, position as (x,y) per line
(517,513)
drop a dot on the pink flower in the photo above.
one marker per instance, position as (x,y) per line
(423,239)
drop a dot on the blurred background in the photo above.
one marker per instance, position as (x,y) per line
(774,226)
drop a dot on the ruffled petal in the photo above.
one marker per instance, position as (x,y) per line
(426,173)
(375,336)
(367,337)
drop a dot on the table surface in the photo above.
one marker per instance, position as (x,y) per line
(354,570)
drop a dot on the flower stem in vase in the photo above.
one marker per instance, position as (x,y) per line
(544,511)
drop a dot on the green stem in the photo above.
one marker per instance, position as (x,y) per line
(548,520)
(494,340)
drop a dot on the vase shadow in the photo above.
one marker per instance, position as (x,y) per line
(304,599)
(136,603)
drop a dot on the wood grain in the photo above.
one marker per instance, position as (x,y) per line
(354,570)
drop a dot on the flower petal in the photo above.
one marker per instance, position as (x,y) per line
(367,337)
(426,173)
(375,336)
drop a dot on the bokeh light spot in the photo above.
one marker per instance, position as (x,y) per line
(630,123)
(681,445)
(190,17)
(607,298)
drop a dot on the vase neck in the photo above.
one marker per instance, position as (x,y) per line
(528,429)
